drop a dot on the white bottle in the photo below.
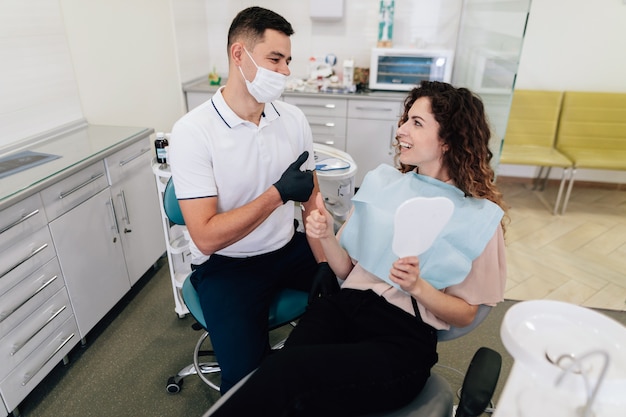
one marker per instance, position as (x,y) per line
(348,74)
(168,138)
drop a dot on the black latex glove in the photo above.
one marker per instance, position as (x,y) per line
(324,282)
(296,185)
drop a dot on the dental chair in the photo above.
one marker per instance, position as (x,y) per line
(436,398)
(287,306)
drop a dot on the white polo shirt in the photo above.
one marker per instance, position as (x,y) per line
(213,152)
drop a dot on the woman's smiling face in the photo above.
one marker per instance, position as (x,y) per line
(419,141)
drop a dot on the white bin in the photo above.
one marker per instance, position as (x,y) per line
(336,185)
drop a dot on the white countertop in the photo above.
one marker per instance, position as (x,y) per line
(77,147)
(203,86)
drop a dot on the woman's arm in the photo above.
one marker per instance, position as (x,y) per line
(319,225)
(485,284)
(453,310)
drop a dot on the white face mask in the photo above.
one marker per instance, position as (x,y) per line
(267,85)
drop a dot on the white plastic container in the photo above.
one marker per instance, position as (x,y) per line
(336,183)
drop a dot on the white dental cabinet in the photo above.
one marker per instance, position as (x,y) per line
(361,124)
(76,233)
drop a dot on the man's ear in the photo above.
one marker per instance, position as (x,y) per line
(236,51)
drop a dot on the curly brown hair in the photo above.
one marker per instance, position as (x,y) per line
(464,127)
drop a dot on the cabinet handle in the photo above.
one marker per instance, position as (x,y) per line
(78,187)
(122,198)
(20,220)
(5,314)
(373,108)
(318,106)
(27,257)
(326,142)
(115,226)
(328,124)
(132,158)
(391,142)
(30,374)
(17,346)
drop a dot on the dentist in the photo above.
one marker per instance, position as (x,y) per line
(239,162)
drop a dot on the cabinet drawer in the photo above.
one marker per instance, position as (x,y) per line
(136,156)
(3,410)
(21,219)
(22,340)
(319,106)
(375,109)
(70,192)
(24,298)
(329,130)
(25,377)
(25,257)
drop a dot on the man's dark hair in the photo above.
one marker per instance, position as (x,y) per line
(252,22)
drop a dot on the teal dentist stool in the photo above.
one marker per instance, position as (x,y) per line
(288,306)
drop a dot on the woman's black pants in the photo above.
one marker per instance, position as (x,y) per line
(352,353)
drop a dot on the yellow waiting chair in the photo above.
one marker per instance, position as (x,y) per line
(592,132)
(531,135)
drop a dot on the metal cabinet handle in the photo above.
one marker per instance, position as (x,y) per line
(84,184)
(320,106)
(30,374)
(391,142)
(17,346)
(5,314)
(20,220)
(122,198)
(126,218)
(327,124)
(27,257)
(132,158)
(373,108)
(326,142)
(115,226)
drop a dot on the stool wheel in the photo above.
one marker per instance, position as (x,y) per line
(173,386)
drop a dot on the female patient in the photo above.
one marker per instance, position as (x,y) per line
(370,346)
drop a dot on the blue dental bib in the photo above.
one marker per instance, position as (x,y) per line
(369,232)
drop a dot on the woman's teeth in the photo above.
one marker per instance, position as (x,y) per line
(405,145)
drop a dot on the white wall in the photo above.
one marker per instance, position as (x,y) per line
(192,38)
(130,58)
(420,23)
(38,91)
(576,45)
(125,60)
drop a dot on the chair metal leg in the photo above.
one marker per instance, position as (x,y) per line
(539,182)
(204,368)
(281,343)
(544,180)
(569,190)
(561,187)
(175,383)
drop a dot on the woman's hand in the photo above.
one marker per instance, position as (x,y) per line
(319,223)
(406,273)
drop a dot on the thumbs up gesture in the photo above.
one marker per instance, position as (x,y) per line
(319,223)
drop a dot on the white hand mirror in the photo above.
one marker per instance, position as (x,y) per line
(417,223)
